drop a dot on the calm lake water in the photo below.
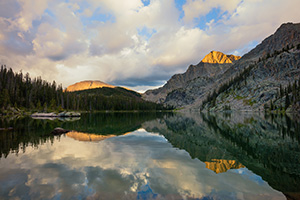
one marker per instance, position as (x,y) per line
(151,156)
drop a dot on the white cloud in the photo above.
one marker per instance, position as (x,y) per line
(31,10)
(179,48)
(196,8)
(100,39)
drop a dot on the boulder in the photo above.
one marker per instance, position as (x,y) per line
(59,131)
(7,129)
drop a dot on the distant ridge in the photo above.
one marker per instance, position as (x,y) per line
(85,85)
(216,57)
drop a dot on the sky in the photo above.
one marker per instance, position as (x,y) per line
(138,44)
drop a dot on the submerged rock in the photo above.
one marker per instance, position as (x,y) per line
(59,131)
(6,129)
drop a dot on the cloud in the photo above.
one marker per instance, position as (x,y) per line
(31,10)
(197,8)
(132,42)
(52,43)
(9,8)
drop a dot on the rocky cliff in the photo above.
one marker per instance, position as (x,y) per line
(85,85)
(270,81)
(247,83)
(204,73)
(260,87)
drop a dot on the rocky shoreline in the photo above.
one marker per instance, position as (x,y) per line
(54,115)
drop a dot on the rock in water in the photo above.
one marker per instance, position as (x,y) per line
(59,131)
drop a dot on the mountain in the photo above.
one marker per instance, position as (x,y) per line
(97,95)
(252,82)
(270,81)
(219,58)
(107,98)
(85,85)
(179,91)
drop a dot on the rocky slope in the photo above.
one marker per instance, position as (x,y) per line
(258,76)
(275,64)
(85,85)
(204,73)
(262,84)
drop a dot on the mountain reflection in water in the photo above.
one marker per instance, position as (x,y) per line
(221,165)
(88,137)
(152,156)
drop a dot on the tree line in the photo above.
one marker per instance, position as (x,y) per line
(23,92)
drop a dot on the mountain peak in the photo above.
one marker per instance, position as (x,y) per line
(217,57)
(85,85)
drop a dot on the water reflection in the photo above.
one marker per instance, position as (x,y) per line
(153,157)
(222,165)
(34,132)
(87,137)
(267,145)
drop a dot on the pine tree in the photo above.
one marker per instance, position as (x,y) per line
(271,106)
(287,101)
(4,98)
(39,106)
(281,91)
(53,104)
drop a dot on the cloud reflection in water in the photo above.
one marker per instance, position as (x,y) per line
(138,165)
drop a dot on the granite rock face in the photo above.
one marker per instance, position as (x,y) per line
(181,89)
(262,84)
(276,60)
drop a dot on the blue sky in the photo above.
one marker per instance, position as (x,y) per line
(134,43)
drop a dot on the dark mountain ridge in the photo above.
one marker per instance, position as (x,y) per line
(272,64)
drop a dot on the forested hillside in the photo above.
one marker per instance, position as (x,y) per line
(20,91)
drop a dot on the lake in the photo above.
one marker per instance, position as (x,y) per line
(151,156)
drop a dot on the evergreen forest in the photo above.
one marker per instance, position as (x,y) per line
(19,91)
